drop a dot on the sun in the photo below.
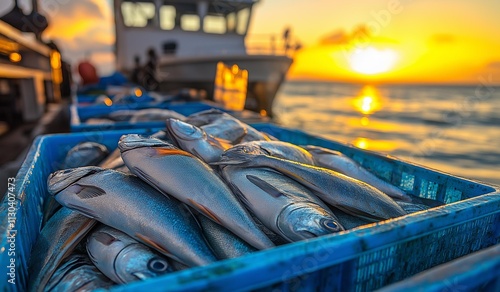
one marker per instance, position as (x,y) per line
(371,61)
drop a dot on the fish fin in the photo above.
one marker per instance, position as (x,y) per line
(207,212)
(89,192)
(153,244)
(168,151)
(265,186)
(82,210)
(105,238)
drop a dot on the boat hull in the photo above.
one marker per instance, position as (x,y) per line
(266,73)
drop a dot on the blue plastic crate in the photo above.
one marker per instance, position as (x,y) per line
(479,271)
(79,114)
(361,259)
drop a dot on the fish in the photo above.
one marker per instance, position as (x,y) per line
(77,273)
(85,154)
(224,126)
(122,258)
(337,161)
(155,114)
(280,149)
(204,117)
(128,204)
(350,195)
(56,241)
(281,204)
(191,181)
(196,141)
(224,243)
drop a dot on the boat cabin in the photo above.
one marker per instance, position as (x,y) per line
(180,28)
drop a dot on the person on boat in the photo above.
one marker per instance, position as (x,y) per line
(150,82)
(135,76)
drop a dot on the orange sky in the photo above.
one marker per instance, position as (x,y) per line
(425,41)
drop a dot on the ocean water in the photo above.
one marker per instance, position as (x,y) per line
(454,129)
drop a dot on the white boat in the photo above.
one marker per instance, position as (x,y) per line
(192,36)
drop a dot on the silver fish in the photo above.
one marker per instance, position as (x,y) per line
(191,181)
(224,243)
(128,204)
(85,154)
(122,258)
(281,150)
(56,241)
(204,117)
(281,204)
(196,141)
(77,273)
(350,195)
(222,125)
(337,161)
(155,114)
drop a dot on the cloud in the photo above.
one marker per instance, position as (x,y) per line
(55,9)
(359,36)
(81,28)
(339,37)
(443,39)
(342,37)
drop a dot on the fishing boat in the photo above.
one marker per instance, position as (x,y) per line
(188,38)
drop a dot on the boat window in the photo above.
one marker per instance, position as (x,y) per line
(138,14)
(167,17)
(231,22)
(190,22)
(242,23)
(214,24)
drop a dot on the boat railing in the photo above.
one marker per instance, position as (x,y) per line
(271,44)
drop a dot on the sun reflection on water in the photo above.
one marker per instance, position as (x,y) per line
(368,101)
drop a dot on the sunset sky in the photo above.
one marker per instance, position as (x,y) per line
(425,41)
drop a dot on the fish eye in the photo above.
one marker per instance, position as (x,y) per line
(330,224)
(157,265)
(66,171)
